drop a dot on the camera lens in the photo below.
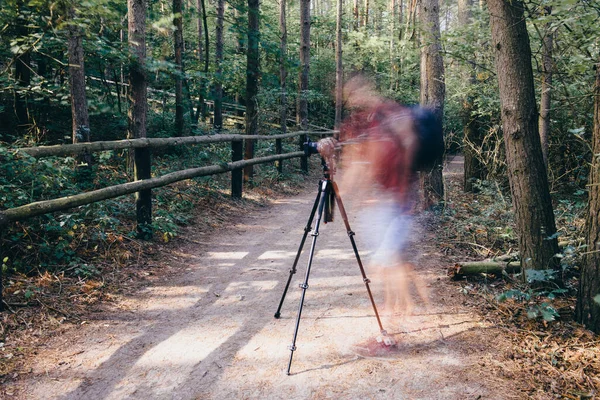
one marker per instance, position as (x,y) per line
(310,148)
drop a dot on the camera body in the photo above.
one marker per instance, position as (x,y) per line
(310,148)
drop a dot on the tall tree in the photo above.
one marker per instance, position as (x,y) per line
(283,103)
(200,26)
(202,22)
(138,109)
(588,299)
(355,15)
(433,90)
(532,204)
(302,113)
(546,96)
(472,135)
(22,70)
(79,106)
(178,48)
(252,76)
(339,71)
(218,110)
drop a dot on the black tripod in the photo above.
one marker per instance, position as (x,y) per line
(328,190)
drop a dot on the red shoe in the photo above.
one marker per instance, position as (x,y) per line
(376,348)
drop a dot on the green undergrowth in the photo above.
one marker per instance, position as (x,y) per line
(479,226)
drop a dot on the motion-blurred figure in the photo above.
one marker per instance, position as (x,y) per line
(384,145)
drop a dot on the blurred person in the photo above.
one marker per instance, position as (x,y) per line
(385,144)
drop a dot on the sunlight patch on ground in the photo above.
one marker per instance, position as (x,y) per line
(168,364)
(336,254)
(237,292)
(189,346)
(227,255)
(226,265)
(276,255)
(171,297)
(251,286)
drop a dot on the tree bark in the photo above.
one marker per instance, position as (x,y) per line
(218,109)
(252,76)
(79,107)
(546,97)
(283,103)
(339,70)
(137,111)
(302,113)
(201,110)
(588,308)
(356,15)
(393,9)
(22,74)
(433,90)
(472,135)
(178,48)
(200,24)
(526,171)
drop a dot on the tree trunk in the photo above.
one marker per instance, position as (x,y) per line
(546,97)
(526,172)
(302,114)
(433,91)
(393,5)
(200,12)
(79,107)
(588,303)
(178,47)
(218,109)
(22,74)
(355,14)
(252,75)
(472,136)
(201,110)
(137,111)
(283,104)
(339,71)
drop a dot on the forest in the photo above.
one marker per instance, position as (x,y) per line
(120,122)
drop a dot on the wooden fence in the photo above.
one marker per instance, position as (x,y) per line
(142,187)
(139,185)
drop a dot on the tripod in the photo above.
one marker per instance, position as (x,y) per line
(327,190)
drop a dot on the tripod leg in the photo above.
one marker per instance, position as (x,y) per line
(326,187)
(360,265)
(307,229)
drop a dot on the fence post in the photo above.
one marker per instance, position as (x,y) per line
(278,150)
(304,159)
(237,175)
(142,168)
(2,230)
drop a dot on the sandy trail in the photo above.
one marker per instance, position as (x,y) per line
(209,332)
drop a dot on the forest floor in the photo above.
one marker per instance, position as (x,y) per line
(197,323)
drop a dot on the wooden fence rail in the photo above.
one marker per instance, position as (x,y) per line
(111,192)
(92,147)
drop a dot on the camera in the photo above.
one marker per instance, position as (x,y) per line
(310,148)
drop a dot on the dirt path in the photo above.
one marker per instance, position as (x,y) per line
(209,332)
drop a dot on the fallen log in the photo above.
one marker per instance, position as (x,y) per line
(462,269)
